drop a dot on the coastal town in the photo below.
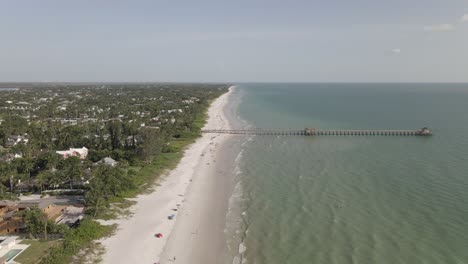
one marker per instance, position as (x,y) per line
(234,132)
(69,153)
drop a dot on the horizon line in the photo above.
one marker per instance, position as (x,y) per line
(232,82)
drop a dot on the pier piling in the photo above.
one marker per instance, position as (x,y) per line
(318,132)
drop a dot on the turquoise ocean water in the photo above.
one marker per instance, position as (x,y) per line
(353,199)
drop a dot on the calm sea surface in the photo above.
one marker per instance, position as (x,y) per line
(354,199)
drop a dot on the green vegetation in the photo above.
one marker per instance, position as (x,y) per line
(37,224)
(76,240)
(142,129)
(37,249)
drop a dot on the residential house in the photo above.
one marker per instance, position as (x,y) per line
(58,210)
(10,222)
(25,186)
(107,161)
(71,216)
(133,140)
(13,140)
(10,248)
(82,153)
(9,157)
(71,122)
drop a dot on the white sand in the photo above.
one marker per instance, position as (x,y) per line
(188,186)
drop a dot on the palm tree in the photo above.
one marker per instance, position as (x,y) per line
(56,178)
(72,169)
(28,165)
(52,161)
(43,178)
(8,173)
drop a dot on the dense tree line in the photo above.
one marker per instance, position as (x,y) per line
(132,124)
(142,127)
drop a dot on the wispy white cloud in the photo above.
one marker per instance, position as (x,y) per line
(396,51)
(440,27)
(464,18)
(253,34)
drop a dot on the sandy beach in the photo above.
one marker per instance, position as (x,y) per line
(192,193)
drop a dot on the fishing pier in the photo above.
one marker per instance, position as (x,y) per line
(322,132)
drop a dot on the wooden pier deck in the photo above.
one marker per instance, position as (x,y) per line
(322,132)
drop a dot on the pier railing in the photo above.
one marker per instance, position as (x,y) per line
(322,132)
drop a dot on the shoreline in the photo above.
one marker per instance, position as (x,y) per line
(185,191)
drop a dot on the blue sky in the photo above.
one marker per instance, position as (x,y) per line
(234,41)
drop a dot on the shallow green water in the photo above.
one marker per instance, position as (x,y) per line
(351,199)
